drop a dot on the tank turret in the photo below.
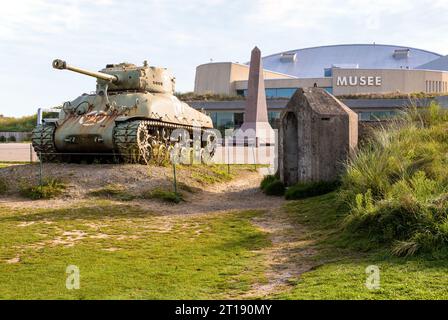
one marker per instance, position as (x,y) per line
(127,76)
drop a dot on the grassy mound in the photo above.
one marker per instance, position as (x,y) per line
(397,185)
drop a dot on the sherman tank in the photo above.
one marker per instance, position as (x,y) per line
(132,115)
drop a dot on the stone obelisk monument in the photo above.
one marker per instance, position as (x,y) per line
(256,126)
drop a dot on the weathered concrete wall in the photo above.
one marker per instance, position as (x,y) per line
(317,134)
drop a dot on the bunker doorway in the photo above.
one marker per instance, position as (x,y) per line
(291,149)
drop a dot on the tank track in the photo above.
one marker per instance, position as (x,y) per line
(143,141)
(42,139)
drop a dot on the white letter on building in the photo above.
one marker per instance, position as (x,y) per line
(370,81)
(362,81)
(342,81)
(378,81)
(353,80)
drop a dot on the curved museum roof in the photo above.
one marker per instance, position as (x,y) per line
(311,62)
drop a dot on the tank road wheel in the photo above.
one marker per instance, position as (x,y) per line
(144,142)
(133,142)
(42,139)
(160,155)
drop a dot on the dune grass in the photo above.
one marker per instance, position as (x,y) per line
(397,185)
(124,252)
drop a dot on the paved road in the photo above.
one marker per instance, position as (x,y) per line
(16,152)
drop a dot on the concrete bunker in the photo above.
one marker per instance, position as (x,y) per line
(317,134)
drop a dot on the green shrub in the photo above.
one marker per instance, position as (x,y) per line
(161,194)
(22,124)
(114,191)
(12,139)
(310,189)
(2,139)
(272,186)
(397,184)
(49,189)
(266,181)
(275,188)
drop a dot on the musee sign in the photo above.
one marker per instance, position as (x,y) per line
(343,81)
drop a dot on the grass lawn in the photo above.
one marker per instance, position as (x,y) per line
(341,271)
(126,253)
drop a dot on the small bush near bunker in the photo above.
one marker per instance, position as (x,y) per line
(266,181)
(310,189)
(272,186)
(276,188)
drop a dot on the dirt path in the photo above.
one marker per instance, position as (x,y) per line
(287,258)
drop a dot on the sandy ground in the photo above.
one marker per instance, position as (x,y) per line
(285,260)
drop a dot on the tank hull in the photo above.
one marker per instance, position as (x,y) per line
(86,134)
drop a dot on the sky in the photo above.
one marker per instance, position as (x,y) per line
(182,34)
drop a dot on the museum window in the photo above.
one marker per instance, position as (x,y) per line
(273,93)
(328,72)
(238,119)
(376,115)
(223,120)
(285,92)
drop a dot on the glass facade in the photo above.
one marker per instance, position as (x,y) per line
(274,119)
(223,120)
(329,89)
(376,115)
(226,120)
(272,93)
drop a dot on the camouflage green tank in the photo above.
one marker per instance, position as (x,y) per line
(132,115)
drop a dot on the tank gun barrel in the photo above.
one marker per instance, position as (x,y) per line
(62,65)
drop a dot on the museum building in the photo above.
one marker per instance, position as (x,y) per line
(340,69)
